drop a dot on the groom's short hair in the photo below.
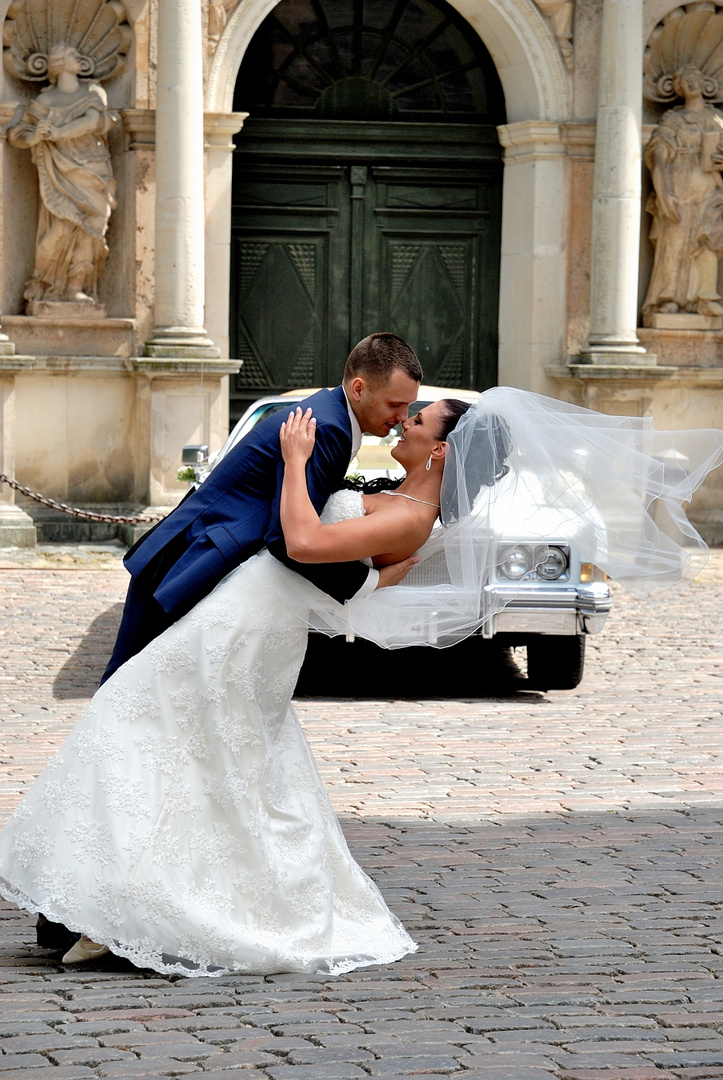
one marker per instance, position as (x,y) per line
(378,355)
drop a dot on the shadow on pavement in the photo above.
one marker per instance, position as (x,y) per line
(474,668)
(81,673)
(333,667)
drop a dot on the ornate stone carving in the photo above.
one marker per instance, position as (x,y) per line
(691,34)
(66,129)
(218,13)
(685,158)
(560,13)
(97,29)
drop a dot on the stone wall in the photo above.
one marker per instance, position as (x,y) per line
(89,418)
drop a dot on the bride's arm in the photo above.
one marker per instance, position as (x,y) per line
(394,535)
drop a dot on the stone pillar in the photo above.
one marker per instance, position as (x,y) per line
(179,275)
(532,271)
(616,193)
(220,129)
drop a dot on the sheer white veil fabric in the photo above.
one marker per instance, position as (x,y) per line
(522,467)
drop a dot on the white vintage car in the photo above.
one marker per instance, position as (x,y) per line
(545,568)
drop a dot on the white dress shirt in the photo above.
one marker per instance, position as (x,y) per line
(372,579)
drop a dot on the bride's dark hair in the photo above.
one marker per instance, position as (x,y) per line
(454,410)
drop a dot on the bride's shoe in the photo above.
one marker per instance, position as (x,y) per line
(84,949)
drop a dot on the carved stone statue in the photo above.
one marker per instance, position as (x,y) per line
(66,128)
(218,13)
(560,13)
(685,158)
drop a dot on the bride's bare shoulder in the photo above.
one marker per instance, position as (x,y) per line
(381,500)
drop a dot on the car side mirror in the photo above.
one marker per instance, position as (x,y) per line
(194,454)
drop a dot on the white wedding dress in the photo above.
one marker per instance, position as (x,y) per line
(183,823)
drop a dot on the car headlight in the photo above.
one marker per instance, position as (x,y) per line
(536,562)
(515,562)
(552,564)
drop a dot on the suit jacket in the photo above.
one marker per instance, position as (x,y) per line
(235,512)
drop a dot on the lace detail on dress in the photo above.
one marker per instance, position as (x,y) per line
(133,702)
(184,823)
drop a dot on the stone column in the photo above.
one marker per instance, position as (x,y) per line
(532,270)
(179,275)
(616,192)
(220,129)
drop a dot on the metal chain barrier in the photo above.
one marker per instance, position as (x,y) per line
(74,511)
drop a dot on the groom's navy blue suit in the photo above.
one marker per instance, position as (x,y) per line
(231,516)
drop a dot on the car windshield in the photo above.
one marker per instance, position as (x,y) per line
(259,414)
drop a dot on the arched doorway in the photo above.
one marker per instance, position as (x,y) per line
(366,193)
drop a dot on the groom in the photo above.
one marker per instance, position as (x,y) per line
(235,512)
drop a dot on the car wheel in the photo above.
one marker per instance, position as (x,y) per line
(555,662)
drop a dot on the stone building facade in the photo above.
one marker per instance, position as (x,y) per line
(527,189)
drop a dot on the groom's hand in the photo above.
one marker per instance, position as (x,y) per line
(396,572)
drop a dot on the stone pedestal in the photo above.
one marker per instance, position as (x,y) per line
(169,342)
(618,356)
(65,309)
(683,321)
(62,336)
(179,401)
(16,527)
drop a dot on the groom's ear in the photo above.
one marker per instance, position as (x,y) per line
(355,388)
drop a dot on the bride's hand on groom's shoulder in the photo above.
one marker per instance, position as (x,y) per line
(297,436)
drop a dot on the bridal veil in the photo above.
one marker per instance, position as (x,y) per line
(523,466)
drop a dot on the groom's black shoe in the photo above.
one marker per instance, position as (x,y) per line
(53,935)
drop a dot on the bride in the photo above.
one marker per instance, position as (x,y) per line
(183,823)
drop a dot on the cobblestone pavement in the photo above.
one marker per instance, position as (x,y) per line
(557,856)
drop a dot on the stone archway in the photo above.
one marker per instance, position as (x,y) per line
(527,59)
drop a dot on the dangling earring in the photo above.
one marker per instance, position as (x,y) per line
(428,466)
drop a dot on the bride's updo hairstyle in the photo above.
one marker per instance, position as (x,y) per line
(477,452)
(454,409)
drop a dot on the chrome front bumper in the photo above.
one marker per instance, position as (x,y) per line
(548,609)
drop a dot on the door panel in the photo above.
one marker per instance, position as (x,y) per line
(430,302)
(425,235)
(323,254)
(288,269)
(282,307)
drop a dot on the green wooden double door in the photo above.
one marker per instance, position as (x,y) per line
(340,230)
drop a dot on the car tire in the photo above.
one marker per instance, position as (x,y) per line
(555,662)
